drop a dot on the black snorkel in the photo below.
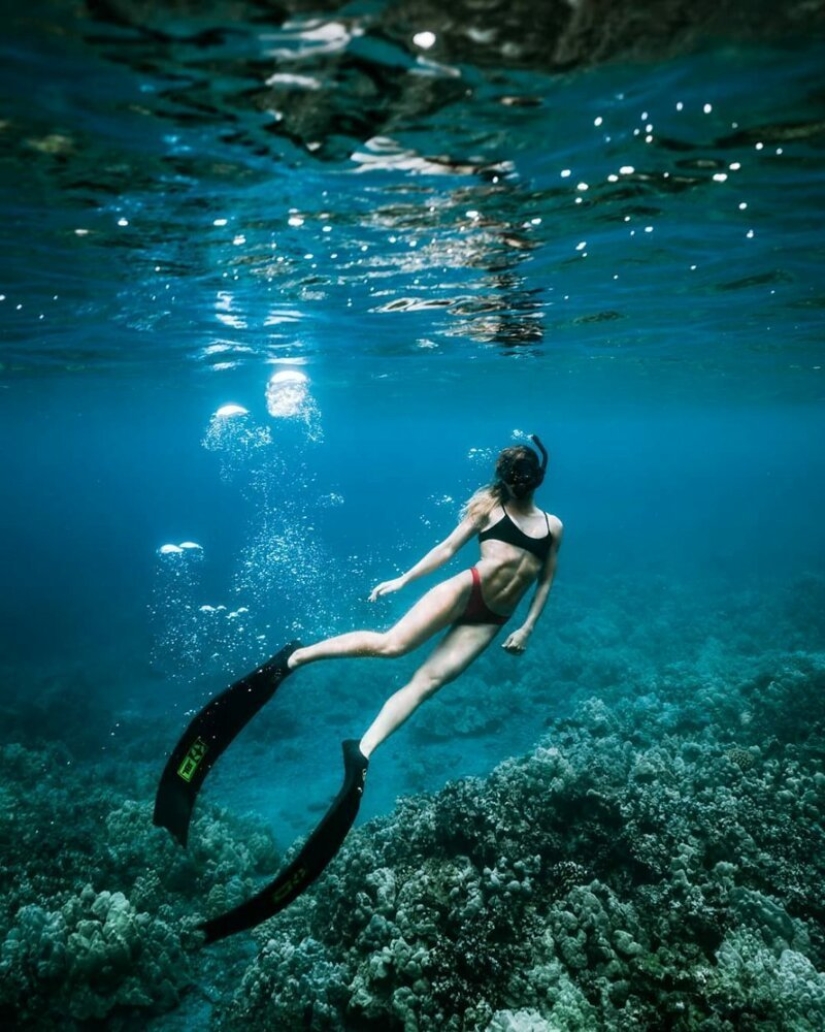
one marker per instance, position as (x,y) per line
(544,456)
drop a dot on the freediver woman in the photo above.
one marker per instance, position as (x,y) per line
(519,545)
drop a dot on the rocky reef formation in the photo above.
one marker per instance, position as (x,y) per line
(655,861)
(642,868)
(97,907)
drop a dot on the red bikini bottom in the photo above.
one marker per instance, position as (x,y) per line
(477,611)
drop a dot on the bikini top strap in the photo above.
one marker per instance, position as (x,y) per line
(510,518)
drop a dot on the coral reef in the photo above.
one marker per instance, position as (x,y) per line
(654,861)
(631,872)
(97,907)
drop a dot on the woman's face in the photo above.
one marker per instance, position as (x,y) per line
(519,489)
(521,477)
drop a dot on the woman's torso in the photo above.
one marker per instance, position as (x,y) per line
(514,547)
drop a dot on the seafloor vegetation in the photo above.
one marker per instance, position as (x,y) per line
(656,862)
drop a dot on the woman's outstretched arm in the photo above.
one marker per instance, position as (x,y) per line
(433,560)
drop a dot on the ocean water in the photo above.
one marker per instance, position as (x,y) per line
(277,283)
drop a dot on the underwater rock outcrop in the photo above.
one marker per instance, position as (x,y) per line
(619,876)
(97,907)
(656,861)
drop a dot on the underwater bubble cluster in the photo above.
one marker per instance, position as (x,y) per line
(173,606)
(233,435)
(280,565)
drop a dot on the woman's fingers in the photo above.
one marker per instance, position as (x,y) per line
(514,644)
(385,587)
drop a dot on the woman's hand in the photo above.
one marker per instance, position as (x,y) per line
(386,587)
(517,641)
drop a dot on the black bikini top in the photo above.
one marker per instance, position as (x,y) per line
(510,533)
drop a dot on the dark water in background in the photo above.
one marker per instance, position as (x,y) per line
(620,249)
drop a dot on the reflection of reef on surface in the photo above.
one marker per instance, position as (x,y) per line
(334,79)
(433,143)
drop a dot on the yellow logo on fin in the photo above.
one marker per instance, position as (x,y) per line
(192,760)
(289,885)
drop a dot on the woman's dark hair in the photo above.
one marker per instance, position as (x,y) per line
(521,468)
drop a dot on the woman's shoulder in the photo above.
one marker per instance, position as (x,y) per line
(554,524)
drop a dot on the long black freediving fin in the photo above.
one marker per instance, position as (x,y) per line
(318,851)
(208,735)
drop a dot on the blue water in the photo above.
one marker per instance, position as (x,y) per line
(446,251)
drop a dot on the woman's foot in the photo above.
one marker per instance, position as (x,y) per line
(295,659)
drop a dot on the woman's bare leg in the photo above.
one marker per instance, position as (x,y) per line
(432,613)
(450,658)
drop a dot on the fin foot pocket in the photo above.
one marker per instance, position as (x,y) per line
(319,849)
(210,732)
